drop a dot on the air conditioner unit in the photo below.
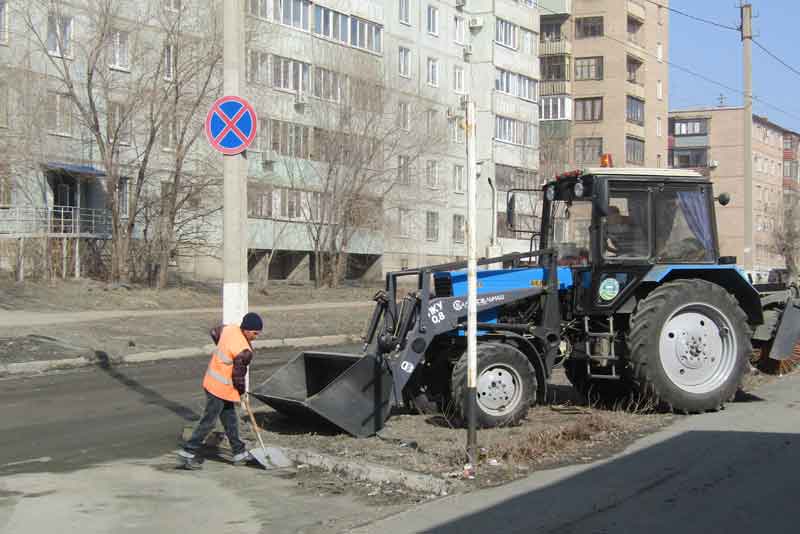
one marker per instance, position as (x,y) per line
(475,23)
(467,51)
(461,3)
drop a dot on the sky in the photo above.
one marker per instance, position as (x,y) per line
(717,54)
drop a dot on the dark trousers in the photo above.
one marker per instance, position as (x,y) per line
(226,411)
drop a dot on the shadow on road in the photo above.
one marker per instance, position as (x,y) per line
(150,396)
(697,482)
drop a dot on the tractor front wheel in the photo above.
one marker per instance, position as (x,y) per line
(506,384)
(689,346)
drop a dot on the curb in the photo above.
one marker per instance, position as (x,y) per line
(29,368)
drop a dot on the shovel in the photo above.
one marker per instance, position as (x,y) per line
(268,457)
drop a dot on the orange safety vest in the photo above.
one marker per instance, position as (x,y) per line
(219,375)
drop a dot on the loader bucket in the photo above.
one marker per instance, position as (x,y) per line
(352,391)
(788,333)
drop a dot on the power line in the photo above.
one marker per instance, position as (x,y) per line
(776,58)
(693,17)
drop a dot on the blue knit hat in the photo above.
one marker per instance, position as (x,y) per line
(252,321)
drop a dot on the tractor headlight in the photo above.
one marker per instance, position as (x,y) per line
(579,189)
(609,289)
(551,193)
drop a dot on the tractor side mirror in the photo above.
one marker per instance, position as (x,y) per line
(724,199)
(600,197)
(511,208)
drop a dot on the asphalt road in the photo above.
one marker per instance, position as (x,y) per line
(70,420)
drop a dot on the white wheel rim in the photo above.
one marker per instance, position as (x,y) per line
(698,348)
(499,389)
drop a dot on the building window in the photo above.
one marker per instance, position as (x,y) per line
(404,62)
(635,110)
(257,67)
(59,34)
(588,149)
(430,121)
(327,85)
(169,132)
(119,126)
(790,169)
(331,24)
(3,21)
(515,84)
(405,12)
(433,72)
(589,68)
(290,139)
(290,204)
(459,186)
(456,131)
(508,177)
(634,150)
(458,228)
(635,71)
(688,158)
(172,5)
(403,170)
(59,114)
(366,35)
(787,143)
(660,90)
(658,127)
(635,31)
(290,74)
(506,33)
(123,199)
(529,40)
(433,20)
(458,79)
(431,226)
(690,127)
(555,108)
(258,8)
(292,13)
(6,186)
(404,218)
(660,51)
(169,61)
(515,131)
(4,98)
(259,201)
(589,109)
(588,27)
(550,32)
(432,173)
(403,118)
(458,30)
(555,68)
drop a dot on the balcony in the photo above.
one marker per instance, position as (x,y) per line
(555,87)
(555,48)
(555,7)
(61,221)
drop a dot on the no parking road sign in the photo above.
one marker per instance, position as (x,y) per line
(231,125)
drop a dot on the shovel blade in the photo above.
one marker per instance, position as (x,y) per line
(788,334)
(270,457)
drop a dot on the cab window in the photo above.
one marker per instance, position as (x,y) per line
(683,226)
(626,228)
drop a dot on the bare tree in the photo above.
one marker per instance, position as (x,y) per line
(786,236)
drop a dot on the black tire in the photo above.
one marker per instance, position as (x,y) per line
(606,392)
(678,302)
(498,358)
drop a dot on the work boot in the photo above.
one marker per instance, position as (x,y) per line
(188,460)
(242,458)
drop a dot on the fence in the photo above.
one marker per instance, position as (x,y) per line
(61,220)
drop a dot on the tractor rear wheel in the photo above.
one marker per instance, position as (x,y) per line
(689,345)
(506,385)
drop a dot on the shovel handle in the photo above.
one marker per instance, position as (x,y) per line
(256,429)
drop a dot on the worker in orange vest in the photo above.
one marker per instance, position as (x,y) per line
(224,383)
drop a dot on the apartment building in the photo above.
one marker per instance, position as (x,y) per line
(409,62)
(603,83)
(711,140)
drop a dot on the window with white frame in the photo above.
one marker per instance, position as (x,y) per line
(515,84)
(258,8)
(169,132)
(4,98)
(405,11)
(635,110)
(589,68)
(262,136)
(292,12)
(6,185)
(331,24)
(658,127)
(432,173)
(634,150)
(433,72)
(555,108)
(430,120)
(172,5)
(526,88)
(3,21)
(459,185)
(327,84)
(433,20)
(404,61)
(404,220)
(459,30)
(431,226)
(506,33)
(587,27)
(291,204)
(515,131)
(403,116)
(59,34)
(290,139)
(366,35)
(169,61)
(403,170)
(119,125)
(259,201)
(660,90)
(457,133)
(589,109)
(290,74)
(458,79)
(458,228)
(660,51)
(257,67)
(59,113)
(530,45)
(588,149)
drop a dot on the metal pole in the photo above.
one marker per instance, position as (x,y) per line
(472,275)
(234,290)
(747,40)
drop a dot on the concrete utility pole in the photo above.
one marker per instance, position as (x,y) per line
(747,41)
(234,289)
(472,287)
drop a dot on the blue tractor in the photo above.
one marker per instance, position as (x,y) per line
(624,286)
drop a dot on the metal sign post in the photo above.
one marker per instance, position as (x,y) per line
(472,288)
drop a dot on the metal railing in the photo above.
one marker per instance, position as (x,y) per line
(23,220)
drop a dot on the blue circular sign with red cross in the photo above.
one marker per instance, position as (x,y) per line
(231,125)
